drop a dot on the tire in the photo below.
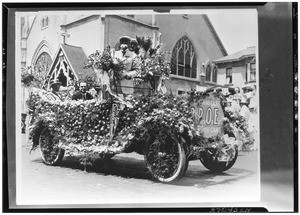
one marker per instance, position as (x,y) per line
(165,159)
(210,159)
(51,154)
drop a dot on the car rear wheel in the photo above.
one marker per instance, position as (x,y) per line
(219,160)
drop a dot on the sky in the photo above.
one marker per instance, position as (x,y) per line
(237,29)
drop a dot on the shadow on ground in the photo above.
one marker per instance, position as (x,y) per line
(128,167)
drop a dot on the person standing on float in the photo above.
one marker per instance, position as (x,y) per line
(131,67)
(55,86)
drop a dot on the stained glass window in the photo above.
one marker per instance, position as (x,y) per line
(215,74)
(211,72)
(183,61)
(43,63)
(208,73)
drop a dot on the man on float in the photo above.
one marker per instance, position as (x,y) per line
(131,67)
(55,86)
(82,94)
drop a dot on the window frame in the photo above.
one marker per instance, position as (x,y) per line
(246,73)
(216,75)
(44,22)
(231,78)
(184,47)
(209,75)
(252,70)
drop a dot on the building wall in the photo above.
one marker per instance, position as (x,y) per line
(176,85)
(117,26)
(238,73)
(93,34)
(145,18)
(88,35)
(173,27)
(238,76)
(46,39)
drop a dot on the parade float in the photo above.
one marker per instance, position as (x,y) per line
(168,130)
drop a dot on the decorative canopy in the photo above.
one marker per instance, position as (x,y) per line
(67,66)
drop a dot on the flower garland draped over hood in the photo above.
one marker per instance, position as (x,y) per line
(82,127)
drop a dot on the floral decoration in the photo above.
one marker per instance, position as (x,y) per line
(153,62)
(32,78)
(83,127)
(104,61)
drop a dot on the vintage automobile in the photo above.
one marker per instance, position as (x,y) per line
(169,131)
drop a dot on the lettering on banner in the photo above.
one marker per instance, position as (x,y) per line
(208,116)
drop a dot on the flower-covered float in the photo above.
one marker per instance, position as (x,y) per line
(168,130)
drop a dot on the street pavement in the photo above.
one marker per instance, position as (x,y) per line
(125,180)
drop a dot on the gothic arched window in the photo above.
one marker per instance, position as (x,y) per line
(183,61)
(214,74)
(211,72)
(47,21)
(208,73)
(44,22)
(43,63)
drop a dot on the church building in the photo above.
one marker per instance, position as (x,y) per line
(57,45)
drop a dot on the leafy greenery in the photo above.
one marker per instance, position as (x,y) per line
(82,127)
(32,78)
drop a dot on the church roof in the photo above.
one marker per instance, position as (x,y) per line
(248,52)
(214,33)
(76,57)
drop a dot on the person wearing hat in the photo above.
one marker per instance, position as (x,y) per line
(253,119)
(55,85)
(82,94)
(131,66)
(134,46)
(218,89)
(244,109)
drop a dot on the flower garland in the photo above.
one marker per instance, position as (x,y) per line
(153,62)
(154,66)
(105,62)
(83,126)
(32,78)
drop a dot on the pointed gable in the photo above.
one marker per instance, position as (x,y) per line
(77,57)
(68,65)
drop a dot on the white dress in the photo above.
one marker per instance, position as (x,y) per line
(253,121)
(131,70)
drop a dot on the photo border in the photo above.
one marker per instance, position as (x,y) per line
(272,79)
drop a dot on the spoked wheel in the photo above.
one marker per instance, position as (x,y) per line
(50,152)
(165,159)
(219,160)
